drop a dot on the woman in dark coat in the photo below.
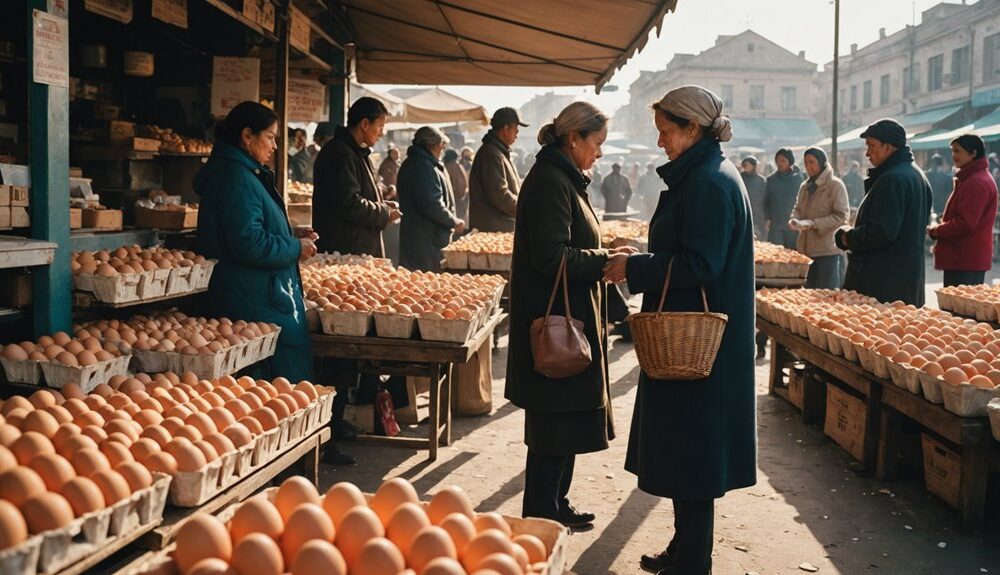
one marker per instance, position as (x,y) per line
(779,198)
(242,223)
(964,248)
(427,203)
(563,417)
(693,441)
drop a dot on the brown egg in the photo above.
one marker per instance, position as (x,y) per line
(290,402)
(29,445)
(54,470)
(8,434)
(340,499)
(430,543)
(73,390)
(357,527)
(213,399)
(42,398)
(534,547)
(293,492)
(7,459)
(79,442)
(239,435)
(16,402)
(147,417)
(501,563)
(200,537)
(14,351)
(157,433)
(162,462)
(202,422)
(220,442)
(278,407)
(267,417)
(380,557)
(116,452)
(491,520)
(40,421)
(89,418)
(88,461)
(307,521)
(257,554)
(67,358)
(281,384)
(301,399)
(189,457)
(135,474)
(405,523)
(208,450)
(20,483)
(483,545)
(319,556)
(308,388)
(256,515)
(209,566)
(46,511)
(75,406)
(143,448)
(190,433)
(13,528)
(83,495)
(112,485)
(252,425)
(221,417)
(452,499)
(390,495)
(253,401)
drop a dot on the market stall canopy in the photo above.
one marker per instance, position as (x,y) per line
(510,43)
(774,132)
(986,127)
(436,106)
(395,105)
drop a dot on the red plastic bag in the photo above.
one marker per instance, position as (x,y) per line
(386,413)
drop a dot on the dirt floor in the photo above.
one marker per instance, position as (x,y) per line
(811,506)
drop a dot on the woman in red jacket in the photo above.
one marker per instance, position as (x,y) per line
(964,248)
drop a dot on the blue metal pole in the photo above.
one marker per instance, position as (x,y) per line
(48,139)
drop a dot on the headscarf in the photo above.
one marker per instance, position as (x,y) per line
(701,106)
(820,156)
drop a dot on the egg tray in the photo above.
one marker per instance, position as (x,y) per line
(22,370)
(850,350)
(865,357)
(204,365)
(479,262)
(244,460)
(817,337)
(880,365)
(227,474)
(179,281)
(119,288)
(312,320)
(21,559)
(87,377)
(456,260)
(326,405)
(931,387)
(395,325)
(269,344)
(207,269)
(346,323)
(265,446)
(154,283)
(449,330)
(249,353)
(897,373)
(83,282)
(149,361)
(500,262)
(835,343)
(911,378)
(992,410)
(782,270)
(192,488)
(966,400)
(986,311)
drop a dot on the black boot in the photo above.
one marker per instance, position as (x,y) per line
(655,562)
(570,517)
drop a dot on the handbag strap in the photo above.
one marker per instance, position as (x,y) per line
(666,285)
(560,275)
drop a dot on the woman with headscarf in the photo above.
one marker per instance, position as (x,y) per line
(694,440)
(821,208)
(779,198)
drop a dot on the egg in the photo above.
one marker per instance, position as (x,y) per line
(7,459)
(483,545)
(189,457)
(208,450)
(390,495)
(357,527)
(209,566)
(380,557)
(29,445)
(257,554)
(46,511)
(54,470)
(135,474)
(534,547)
(308,521)
(491,520)
(16,402)
(252,425)
(220,442)
(955,376)
(20,483)
(42,398)
(189,432)
(317,556)
(113,486)
(308,388)
(266,417)
(443,566)
(162,462)
(13,528)
(238,434)
(253,401)
(88,461)
(256,515)
(157,433)
(201,536)
(63,433)
(432,542)
(291,405)
(116,452)
(83,495)
(8,434)
(301,399)
(340,499)
(221,417)
(452,499)
(147,417)
(14,351)
(293,492)
(40,421)
(79,442)
(404,525)
(501,563)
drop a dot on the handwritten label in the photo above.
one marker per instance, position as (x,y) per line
(173,12)
(50,36)
(307,101)
(299,30)
(234,80)
(260,12)
(120,10)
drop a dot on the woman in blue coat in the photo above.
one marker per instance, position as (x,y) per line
(692,441)
(242,223)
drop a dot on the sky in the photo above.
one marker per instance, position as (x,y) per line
(794,24)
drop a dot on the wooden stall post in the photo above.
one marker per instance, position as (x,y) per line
(282,55)
(337,87)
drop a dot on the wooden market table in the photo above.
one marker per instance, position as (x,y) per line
(888,407)
(411,357)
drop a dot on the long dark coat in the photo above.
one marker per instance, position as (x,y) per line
(242,223)
(886,246)
(555,218)
(780,193)
(755,185)
(348,212)
(428,206)
(494,186)
(694,440)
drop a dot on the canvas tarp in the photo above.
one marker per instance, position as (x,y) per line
(509,43)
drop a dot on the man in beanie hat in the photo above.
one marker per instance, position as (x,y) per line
(493,180)
(779,199)
(886,245)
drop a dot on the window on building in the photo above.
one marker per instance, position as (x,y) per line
(866,95)
(854,98)
(911,80)
(727,95)
(935,73)
(788,98)
(991,58)
(961,66)
(750,47)
(757,97)
(883,96)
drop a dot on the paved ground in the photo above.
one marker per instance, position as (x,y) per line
(810,504)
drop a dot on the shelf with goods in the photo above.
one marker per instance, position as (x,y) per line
(871,367)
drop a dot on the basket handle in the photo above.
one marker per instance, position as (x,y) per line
(666,285)
(560,275)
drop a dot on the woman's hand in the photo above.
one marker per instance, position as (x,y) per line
(305,232)
(627,250)
(931,229)
(308,249)
(614,270)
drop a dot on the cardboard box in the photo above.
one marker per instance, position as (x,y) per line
(19,218)
(102,219)
(5,218)
(845,421)
(942,470)
(19,196)
(165,219)
(75,218)
(145,145)
(5,195)
(121,131)
(15,289)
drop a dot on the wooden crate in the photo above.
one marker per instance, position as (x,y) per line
(144,144)
(165,219)
(845,420)
(15,289)
(796,385)
(19,217)
(102,219)
(942,469)
(5,195)
(19,196)
(75,218)
(5,218)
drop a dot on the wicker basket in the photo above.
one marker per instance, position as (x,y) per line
(677,345)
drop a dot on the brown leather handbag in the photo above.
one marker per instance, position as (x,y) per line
(558,343)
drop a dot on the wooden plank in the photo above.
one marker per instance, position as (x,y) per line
(86,299)
(106,551)
(174,516)
(890,441)
(19,253)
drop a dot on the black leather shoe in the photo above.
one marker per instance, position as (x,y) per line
(655,562)
(570,517)
(334,456)
(344,431)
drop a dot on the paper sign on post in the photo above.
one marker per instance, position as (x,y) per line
(50,36)
(307,101)
(234,80)
(298,33)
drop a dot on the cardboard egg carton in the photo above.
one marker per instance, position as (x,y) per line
(87,377)
(22,370)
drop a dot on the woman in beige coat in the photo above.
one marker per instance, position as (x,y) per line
(819,211)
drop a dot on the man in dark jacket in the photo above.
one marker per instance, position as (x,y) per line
(780,193)
(493,180)
(617,191)
(886,244)
(649,190)
(855,184)
(756,185)
(941,181)
(349,212)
